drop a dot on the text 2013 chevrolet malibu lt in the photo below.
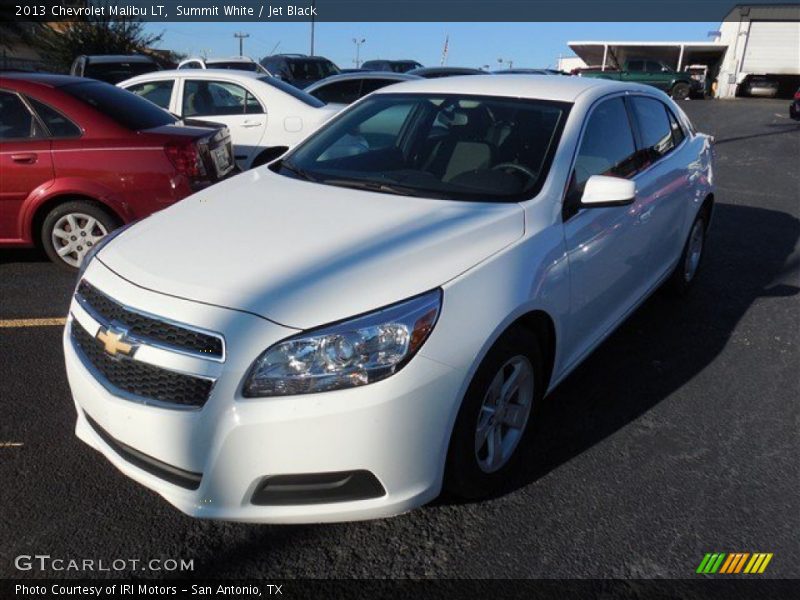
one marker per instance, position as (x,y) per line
(378,315)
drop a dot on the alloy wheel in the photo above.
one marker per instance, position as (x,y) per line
(694,250)
(504,414)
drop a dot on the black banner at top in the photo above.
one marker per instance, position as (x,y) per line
(376,10)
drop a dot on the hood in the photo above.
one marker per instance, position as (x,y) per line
(304,254)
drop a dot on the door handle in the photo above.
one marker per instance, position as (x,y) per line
(252,124)
(28,158)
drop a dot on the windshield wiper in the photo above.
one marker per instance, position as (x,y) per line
(301,173)
(373,186)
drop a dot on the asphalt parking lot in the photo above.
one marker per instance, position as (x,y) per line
(679,436)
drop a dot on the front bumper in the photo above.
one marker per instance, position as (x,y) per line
(396,429)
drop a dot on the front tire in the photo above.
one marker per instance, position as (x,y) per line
(495,418)
(71,229)
(680,91)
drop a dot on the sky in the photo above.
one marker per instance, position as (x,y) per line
(471,44)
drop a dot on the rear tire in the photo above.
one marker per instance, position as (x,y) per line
(492,426)
(680,91)
(688,266)
(71,229)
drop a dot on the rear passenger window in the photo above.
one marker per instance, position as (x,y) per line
(157,92)
(654,128)
(16,121)
(677,130)
(57,124)
(607,147)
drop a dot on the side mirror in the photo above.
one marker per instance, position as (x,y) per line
(602,190)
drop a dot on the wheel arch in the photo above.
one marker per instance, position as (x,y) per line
(541,324)
(42,210)
(708,207)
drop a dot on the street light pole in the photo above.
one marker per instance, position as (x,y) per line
(358,43)
(241,36)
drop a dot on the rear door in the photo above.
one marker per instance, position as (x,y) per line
(663,187)
(26,161)
(230,104)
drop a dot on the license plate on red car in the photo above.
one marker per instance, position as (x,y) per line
(222,160)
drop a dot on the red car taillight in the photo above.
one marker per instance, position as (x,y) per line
(186,159)
(797,95)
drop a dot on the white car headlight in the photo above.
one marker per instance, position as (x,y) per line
(351,353)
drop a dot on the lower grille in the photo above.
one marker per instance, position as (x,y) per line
(140,379)
(185,479)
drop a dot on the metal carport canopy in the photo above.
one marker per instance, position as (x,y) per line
(675,54)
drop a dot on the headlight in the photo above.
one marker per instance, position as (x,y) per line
(355,352)
(87,258)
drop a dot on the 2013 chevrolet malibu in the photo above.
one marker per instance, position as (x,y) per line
(379,314)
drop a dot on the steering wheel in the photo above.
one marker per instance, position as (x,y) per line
(522,168)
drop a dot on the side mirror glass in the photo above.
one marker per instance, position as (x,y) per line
(602,190)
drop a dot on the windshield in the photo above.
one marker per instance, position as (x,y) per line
(311,68)
(127,109)
(116,72)
(456,147)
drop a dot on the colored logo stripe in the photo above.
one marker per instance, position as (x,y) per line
(733,563)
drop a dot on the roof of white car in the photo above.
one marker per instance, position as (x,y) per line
(542,87)
(202,74)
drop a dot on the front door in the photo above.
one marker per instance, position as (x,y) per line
(607,247)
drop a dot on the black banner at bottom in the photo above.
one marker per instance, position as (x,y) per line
(522,589)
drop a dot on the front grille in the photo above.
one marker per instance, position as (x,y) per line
(141,379)
(148,328)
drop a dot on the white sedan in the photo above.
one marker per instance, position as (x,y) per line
(265,115)
(340,335)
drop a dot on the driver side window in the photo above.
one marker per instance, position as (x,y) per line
(607,147)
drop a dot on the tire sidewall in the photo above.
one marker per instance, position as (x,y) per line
(680,86)
(463,476)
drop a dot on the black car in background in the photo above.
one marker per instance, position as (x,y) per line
(395,66)
(113,68)
(299,69)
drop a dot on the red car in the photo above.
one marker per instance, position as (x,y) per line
(79,158)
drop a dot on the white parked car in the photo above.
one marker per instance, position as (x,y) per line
(336,337)
(236,63)
(265,115)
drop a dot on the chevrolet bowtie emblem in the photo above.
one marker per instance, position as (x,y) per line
(112,341)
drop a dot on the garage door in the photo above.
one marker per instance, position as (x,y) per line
(773,47)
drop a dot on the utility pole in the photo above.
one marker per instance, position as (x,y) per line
(241,37)
(313,4)
(358,43)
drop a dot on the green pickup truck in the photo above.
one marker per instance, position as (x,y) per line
(678,84)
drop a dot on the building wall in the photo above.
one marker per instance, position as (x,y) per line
(734,32)
(567,63)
